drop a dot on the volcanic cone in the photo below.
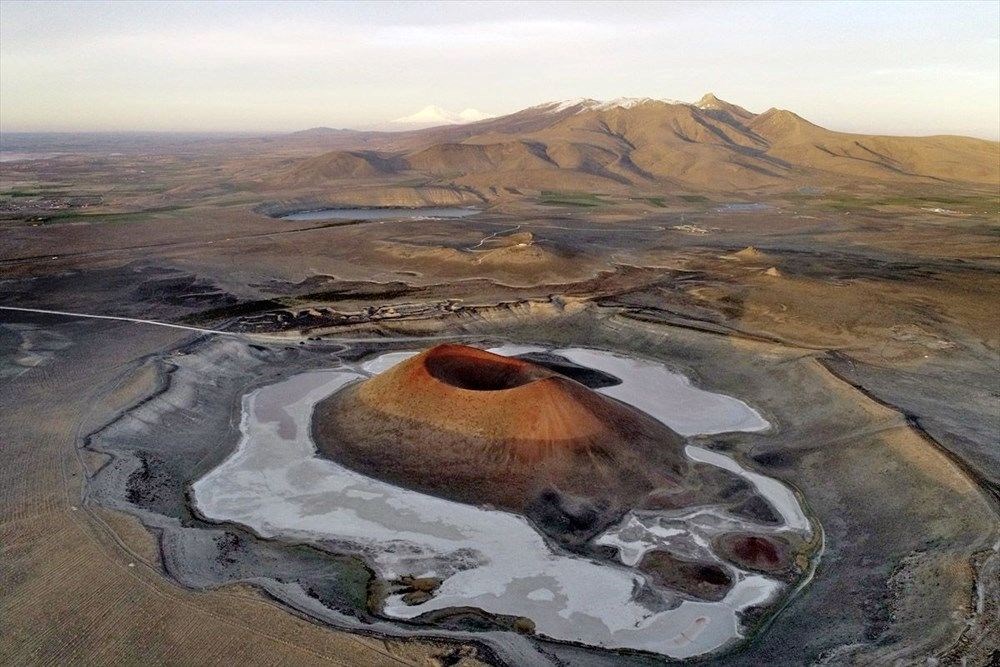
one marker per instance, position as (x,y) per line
(477,427)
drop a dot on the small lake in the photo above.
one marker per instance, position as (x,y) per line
(743,207)
(395,213)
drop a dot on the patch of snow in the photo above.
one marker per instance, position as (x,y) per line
(473,115)
(587,104)
(631,103)
(557,106)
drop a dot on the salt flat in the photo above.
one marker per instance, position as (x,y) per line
(277,485)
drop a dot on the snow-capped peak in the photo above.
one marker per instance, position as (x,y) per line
(628,103)
(435,115)
(561,105)
(587,104)
(473,115)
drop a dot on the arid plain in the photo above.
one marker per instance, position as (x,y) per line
(841,287)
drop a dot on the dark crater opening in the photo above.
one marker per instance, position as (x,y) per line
(479,373)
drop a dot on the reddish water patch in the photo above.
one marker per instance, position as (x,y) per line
(756,552)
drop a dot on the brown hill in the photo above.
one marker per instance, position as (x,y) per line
(797,141)
(475,158)
(477,427)
(516,256)
(710,103)
(339,165)
(514,260)
(649,144)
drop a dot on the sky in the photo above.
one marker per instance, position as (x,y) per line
(912,68)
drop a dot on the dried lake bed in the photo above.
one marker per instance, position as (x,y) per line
(497,561)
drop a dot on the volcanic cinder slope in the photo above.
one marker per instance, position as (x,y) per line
(477,427)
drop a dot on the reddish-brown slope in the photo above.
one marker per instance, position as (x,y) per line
(477,427)
(529,411)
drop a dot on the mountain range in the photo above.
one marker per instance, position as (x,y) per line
(644,144)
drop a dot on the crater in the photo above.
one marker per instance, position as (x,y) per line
(477,370)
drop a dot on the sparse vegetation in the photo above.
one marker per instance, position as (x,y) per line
(559,198)
(33,193)
(94,218)
(845,202)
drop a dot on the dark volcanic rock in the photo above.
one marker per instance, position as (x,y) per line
(707,581)
(589,377)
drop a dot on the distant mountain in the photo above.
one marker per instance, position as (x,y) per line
(432,115)
(648,144)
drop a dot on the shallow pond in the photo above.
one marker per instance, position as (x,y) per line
(743,207)
(427,213)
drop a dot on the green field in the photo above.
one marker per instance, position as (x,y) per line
(559,198)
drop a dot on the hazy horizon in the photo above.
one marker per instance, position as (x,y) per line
(262,67)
